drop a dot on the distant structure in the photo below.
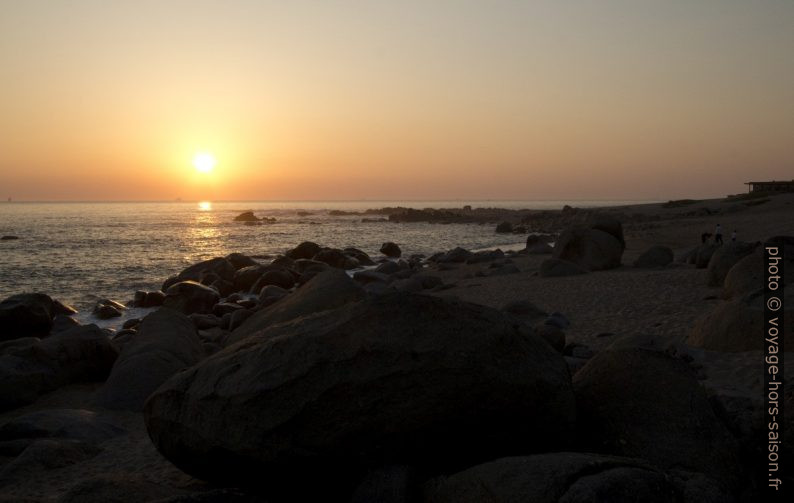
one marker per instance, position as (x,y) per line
(773,186)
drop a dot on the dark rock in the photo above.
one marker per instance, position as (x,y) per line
(390,250)
(205,321)
(736,325)
(131,323)
(569,477)
(485,256)
(504,228)
(554,267)
(362,258)
(329,289)
(8,238)
(457,255)
(25,315)
(400,377)
(387,268)
(189,297)
(225,307)
(196,272)
(246,216)
(46,454)
(335,258)
(105,312)
(610,225)
(390,484)
(271,294)
(539,249)
(643,403)
(59,308)
(238,317)
(280,278)
(30,367)
(503,269)
(655,256)
(283,262)
(591,249)
(245,278)
(724,258)
(166,343)
(305,250)
(238,260)
(370,276)
(61,323)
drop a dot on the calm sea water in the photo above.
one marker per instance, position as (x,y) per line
(81,252)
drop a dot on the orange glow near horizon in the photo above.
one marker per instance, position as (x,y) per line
(440,100)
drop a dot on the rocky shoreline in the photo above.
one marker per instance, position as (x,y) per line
(328,374)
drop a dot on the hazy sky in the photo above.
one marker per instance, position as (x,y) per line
(382,99)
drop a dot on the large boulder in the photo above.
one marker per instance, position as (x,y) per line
(643,403)
(335,258)
(725,258)
(570,477)
(610,225)
(238,260)
(737,325)
(329,289)
(166,343)
(189,297)
(30,367)
(305,250)
(278,277)
(591,249)
(747,275)
(655,256)
(400,379)
(26,315)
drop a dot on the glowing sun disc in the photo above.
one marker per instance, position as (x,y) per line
(204,162)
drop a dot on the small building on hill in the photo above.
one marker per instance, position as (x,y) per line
(773,186)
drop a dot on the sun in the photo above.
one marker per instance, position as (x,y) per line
(204,162)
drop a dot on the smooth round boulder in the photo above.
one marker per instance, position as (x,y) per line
(335,258)
(655,256)
(724,258)
(190,297)
(704,253)
(504,228)
(610,225)
(25,315)
(391,250)
(278,277)
(400,379)
(643,403)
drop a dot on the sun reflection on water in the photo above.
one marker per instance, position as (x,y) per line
(205,206)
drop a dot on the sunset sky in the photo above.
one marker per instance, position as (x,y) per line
(425,99)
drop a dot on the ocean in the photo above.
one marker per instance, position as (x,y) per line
(82,252)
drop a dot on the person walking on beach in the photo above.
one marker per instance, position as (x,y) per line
(718,234)
(733,236)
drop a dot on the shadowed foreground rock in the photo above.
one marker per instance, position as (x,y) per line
(30,367)
(329,289)
(642,403)
(570,477)
(595,247)
(26,315)
(166,342)
(401,379)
